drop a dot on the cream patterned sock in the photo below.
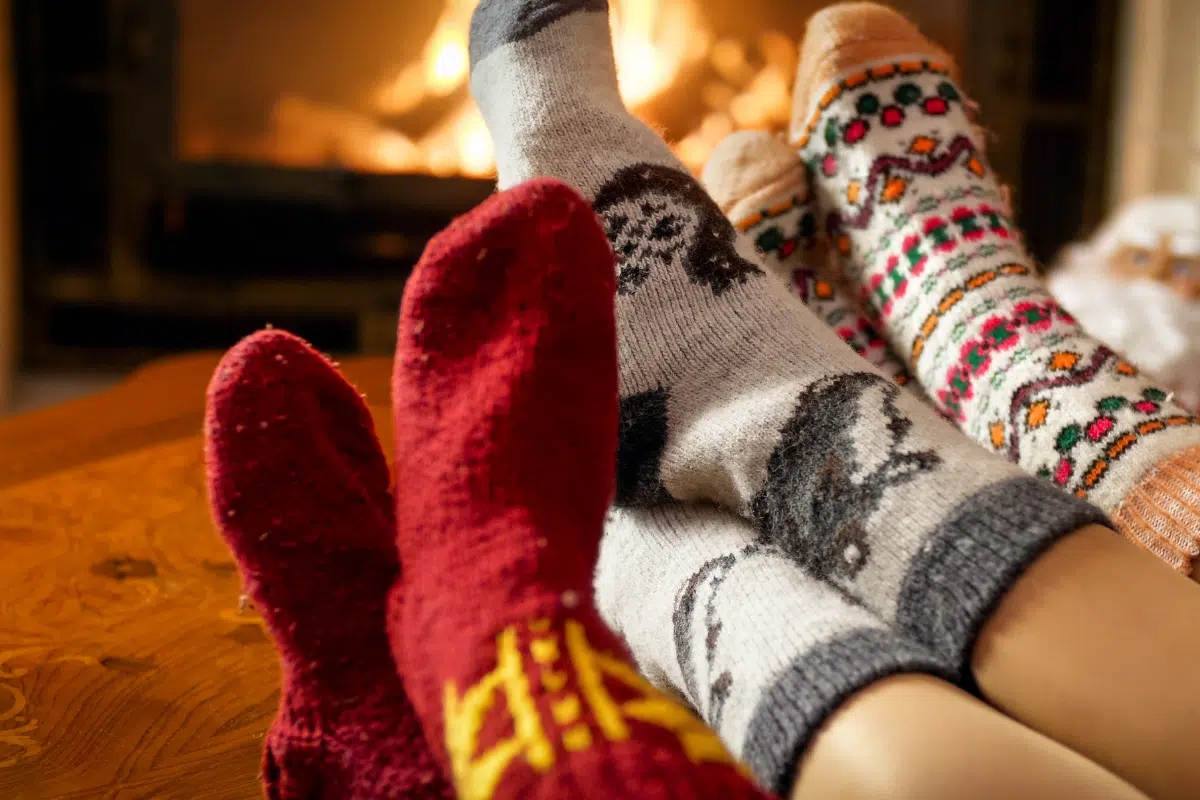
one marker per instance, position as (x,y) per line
(921,222)
(731,390)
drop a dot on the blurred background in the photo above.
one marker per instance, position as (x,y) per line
(177,173)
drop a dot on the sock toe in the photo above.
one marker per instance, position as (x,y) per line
(496,23)
(747,168)
(473,263)
(840,38)
(298,484)
(277,405)
(515,300)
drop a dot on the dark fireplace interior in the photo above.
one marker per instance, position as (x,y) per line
(195,169)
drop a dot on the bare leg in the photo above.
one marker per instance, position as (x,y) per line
(1095,646)
(914,736)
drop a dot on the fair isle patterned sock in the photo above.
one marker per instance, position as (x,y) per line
(760,648)
(762,188)
(731,390)
(899,172)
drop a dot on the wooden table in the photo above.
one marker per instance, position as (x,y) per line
(126,670)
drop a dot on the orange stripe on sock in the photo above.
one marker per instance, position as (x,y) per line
(1120,445)
(1097,471)
(857,79)
(951,300)
(931,322)
(982,279)
(750,221)
(781,207)
(1150,427)
(830,95)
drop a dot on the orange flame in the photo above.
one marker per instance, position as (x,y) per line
(654,43)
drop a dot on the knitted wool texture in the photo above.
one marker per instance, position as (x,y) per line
(908,200)
(505,395)
(299,490)
(763,189)
(761,648)
(733,393)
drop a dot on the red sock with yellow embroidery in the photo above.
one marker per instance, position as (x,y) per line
(505,392)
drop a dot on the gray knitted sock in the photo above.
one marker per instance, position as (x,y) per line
(763,189)
(760,648)
(732,391)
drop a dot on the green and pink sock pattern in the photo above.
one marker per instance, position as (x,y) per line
(785,234)
(923,232)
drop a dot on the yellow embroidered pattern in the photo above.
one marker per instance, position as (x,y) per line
(477,774)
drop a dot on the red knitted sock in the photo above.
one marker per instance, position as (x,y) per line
(299,489)
(505,390)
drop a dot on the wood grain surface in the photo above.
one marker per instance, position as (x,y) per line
(126,670)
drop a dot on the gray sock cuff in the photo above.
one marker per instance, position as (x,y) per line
(974,557)
(496,23)
(793,709)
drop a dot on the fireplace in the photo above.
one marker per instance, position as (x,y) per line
(194,169)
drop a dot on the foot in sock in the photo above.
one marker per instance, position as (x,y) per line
(909,202)
(299,489)
(762,188)
(764,651)
(731,390)
(505,393)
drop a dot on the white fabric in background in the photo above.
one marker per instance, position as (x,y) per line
(1151,325)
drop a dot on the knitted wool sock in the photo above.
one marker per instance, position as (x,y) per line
(762,649)
(731,390)
(762,188)
(299,490)
(505,392)
(900,173)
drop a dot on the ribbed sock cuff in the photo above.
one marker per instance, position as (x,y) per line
(1162,513)
(813,687)
(974,557)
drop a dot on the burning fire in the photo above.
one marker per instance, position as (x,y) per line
(652,42)
(656,42)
